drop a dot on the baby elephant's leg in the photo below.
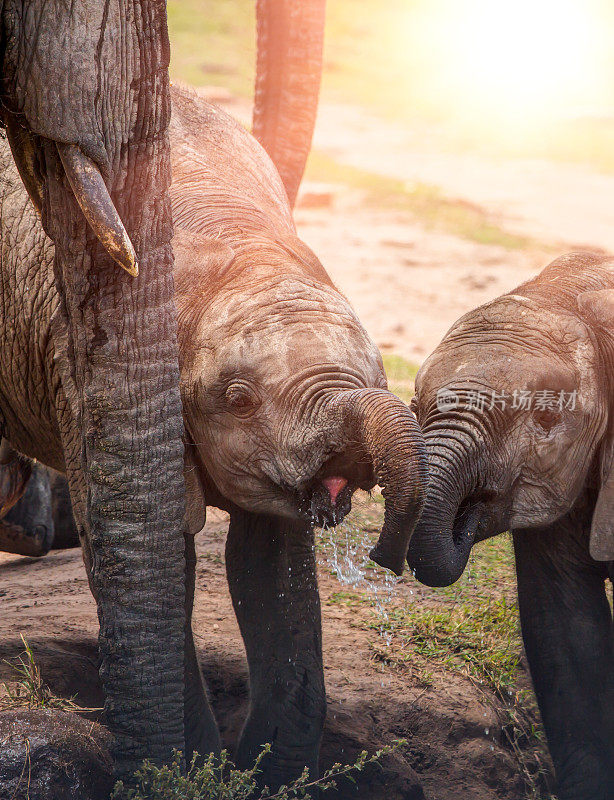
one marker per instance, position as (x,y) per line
(567,631)
(27,528)
(271,570)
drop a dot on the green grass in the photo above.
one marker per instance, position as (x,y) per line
(421,201)
(478,638)
(213,43)
(401,375)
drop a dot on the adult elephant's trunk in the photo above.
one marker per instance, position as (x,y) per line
(392,440)
(290,41)
(88,123)
(443,538)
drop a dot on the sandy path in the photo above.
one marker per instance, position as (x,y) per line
(550,201)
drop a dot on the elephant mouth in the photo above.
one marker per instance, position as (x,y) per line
(328,508)
(467,521)
(327,502)
(474,520)
(327,498)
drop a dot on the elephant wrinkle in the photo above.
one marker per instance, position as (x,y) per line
(543,470)
(286,414)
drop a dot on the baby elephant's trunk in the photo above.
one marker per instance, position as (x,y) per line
(393,441)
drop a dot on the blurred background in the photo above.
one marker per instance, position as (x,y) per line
(531,78)
(460,145)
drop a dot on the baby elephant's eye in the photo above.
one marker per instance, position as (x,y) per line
(241,398)
(546,418)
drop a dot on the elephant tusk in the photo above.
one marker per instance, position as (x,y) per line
(99,210)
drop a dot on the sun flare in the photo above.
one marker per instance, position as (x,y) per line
(526,58)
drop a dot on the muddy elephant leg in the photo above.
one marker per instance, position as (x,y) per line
(567,631)
(65,533)
(272,577)
(201,732)
(27,528)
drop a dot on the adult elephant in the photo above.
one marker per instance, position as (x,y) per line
(85,103)
(516,408)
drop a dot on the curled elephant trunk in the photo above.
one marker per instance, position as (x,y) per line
(443,538)
(392,440)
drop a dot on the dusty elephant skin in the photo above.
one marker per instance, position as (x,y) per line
(87,121)
(54,754)
(542,469)
(285,407)
(85,104)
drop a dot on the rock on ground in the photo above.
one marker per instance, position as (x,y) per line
(53,755)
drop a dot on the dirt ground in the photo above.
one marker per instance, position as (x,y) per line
(456,749)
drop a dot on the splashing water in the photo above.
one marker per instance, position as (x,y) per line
(346,554)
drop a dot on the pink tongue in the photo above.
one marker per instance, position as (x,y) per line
(334,486)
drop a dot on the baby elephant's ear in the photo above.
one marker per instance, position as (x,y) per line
(597,309)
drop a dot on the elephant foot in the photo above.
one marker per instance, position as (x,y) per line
(282,765)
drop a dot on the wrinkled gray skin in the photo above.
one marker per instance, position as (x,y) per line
(285,406)
(94,76)
(85,102)
(544,474)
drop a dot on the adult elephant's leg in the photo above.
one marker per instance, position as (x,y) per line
(567,631)
(201,732)
(87,108)
(27,528)
(272,576)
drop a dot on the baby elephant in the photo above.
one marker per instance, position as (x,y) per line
(516,407)
(285,407)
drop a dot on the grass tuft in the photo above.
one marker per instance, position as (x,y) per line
(28,690)
(478,639)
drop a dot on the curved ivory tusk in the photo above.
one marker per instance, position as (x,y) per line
(93,197)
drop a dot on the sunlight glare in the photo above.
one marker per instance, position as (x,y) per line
(526,57)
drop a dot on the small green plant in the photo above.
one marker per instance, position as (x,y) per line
(219,779)
(28,690)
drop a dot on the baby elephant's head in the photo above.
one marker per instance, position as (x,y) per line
(515,407)
(285,399)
